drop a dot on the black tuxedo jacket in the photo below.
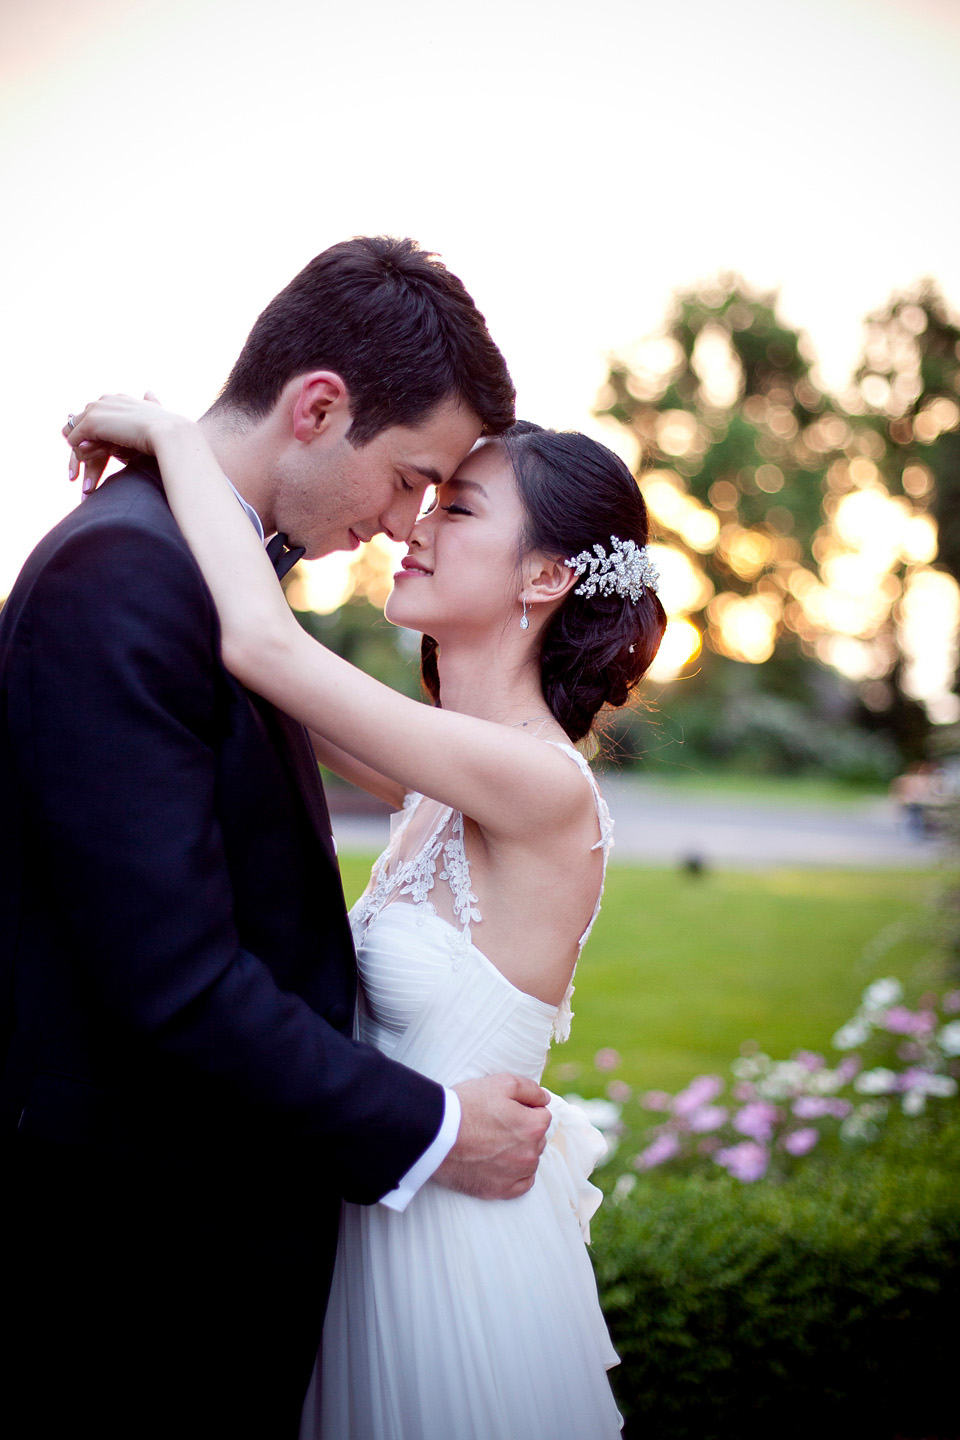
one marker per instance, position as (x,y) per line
(178,976)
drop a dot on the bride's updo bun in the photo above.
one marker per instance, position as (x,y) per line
(576,493)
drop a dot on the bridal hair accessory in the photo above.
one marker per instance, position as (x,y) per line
(524,622)
(627,570)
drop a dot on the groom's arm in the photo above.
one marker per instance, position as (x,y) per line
(115,718)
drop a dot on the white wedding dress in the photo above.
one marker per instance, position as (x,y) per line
(462,1319)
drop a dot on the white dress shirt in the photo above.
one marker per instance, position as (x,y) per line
(435,1154)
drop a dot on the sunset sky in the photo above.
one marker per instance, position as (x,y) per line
(166,166)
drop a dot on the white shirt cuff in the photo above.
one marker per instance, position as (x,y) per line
(431,1159)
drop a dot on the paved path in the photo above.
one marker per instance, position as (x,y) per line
(658,825)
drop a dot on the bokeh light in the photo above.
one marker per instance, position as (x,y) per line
(746,626)
(928,621)
(679,647)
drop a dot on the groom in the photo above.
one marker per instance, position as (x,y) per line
(183,1107)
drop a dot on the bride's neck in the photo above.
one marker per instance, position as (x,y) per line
(479,682)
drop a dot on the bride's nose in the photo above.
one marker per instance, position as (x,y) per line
(420,531)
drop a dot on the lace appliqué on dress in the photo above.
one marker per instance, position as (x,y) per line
(414,877)
(456,872)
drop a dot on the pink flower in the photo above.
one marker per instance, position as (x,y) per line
(849,1066)
(840,1109)
(951,1002)
(798,1142)
(913,1079)
(664,1148)
(707,1117)
(606,1059)
(619,1091)
(743,1090)
(746,1161)
(757,1120)
(812,1107)
(656,1100)
(809,1060)
(901,1021)
(700,1091)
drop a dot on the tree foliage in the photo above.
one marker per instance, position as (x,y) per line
(798,523)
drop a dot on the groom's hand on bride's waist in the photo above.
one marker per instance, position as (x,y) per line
(502,1133)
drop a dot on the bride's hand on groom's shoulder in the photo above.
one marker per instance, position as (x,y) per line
(502,1134)
(115,427)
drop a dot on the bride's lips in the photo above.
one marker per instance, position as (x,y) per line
(409,566)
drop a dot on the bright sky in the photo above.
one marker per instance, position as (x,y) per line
(167,165)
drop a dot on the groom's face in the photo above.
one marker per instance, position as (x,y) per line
(332,495)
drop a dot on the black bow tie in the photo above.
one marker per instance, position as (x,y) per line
(281,558)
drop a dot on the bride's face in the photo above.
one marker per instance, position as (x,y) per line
(460,573)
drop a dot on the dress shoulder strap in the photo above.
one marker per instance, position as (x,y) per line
(561,1025)
(604,819)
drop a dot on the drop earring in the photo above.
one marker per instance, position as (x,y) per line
(524,622)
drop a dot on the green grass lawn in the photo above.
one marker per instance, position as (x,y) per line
(767,790)
(679,971)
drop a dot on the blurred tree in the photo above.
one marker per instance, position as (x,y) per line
(907,387)
(793,527)
(909,377)
(733,432)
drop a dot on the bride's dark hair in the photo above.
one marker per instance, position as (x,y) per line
(576,493)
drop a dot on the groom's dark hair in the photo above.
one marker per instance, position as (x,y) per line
(393,322)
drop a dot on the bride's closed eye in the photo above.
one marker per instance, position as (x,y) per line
(455,508)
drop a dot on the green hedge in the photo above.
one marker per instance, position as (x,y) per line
(829,1301)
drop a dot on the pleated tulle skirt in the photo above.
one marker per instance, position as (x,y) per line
(465,1319)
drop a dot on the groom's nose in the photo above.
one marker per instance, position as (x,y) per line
(398,520)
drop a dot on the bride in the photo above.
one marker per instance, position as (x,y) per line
(532,587)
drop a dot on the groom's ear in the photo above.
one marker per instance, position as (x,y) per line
(321,402)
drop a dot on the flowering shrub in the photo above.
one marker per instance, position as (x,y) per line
(772,1111)
(744,1312)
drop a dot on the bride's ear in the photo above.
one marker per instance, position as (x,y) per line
(549,579)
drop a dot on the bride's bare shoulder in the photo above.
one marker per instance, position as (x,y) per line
(557,807)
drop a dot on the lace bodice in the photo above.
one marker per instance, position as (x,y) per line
(424,850)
